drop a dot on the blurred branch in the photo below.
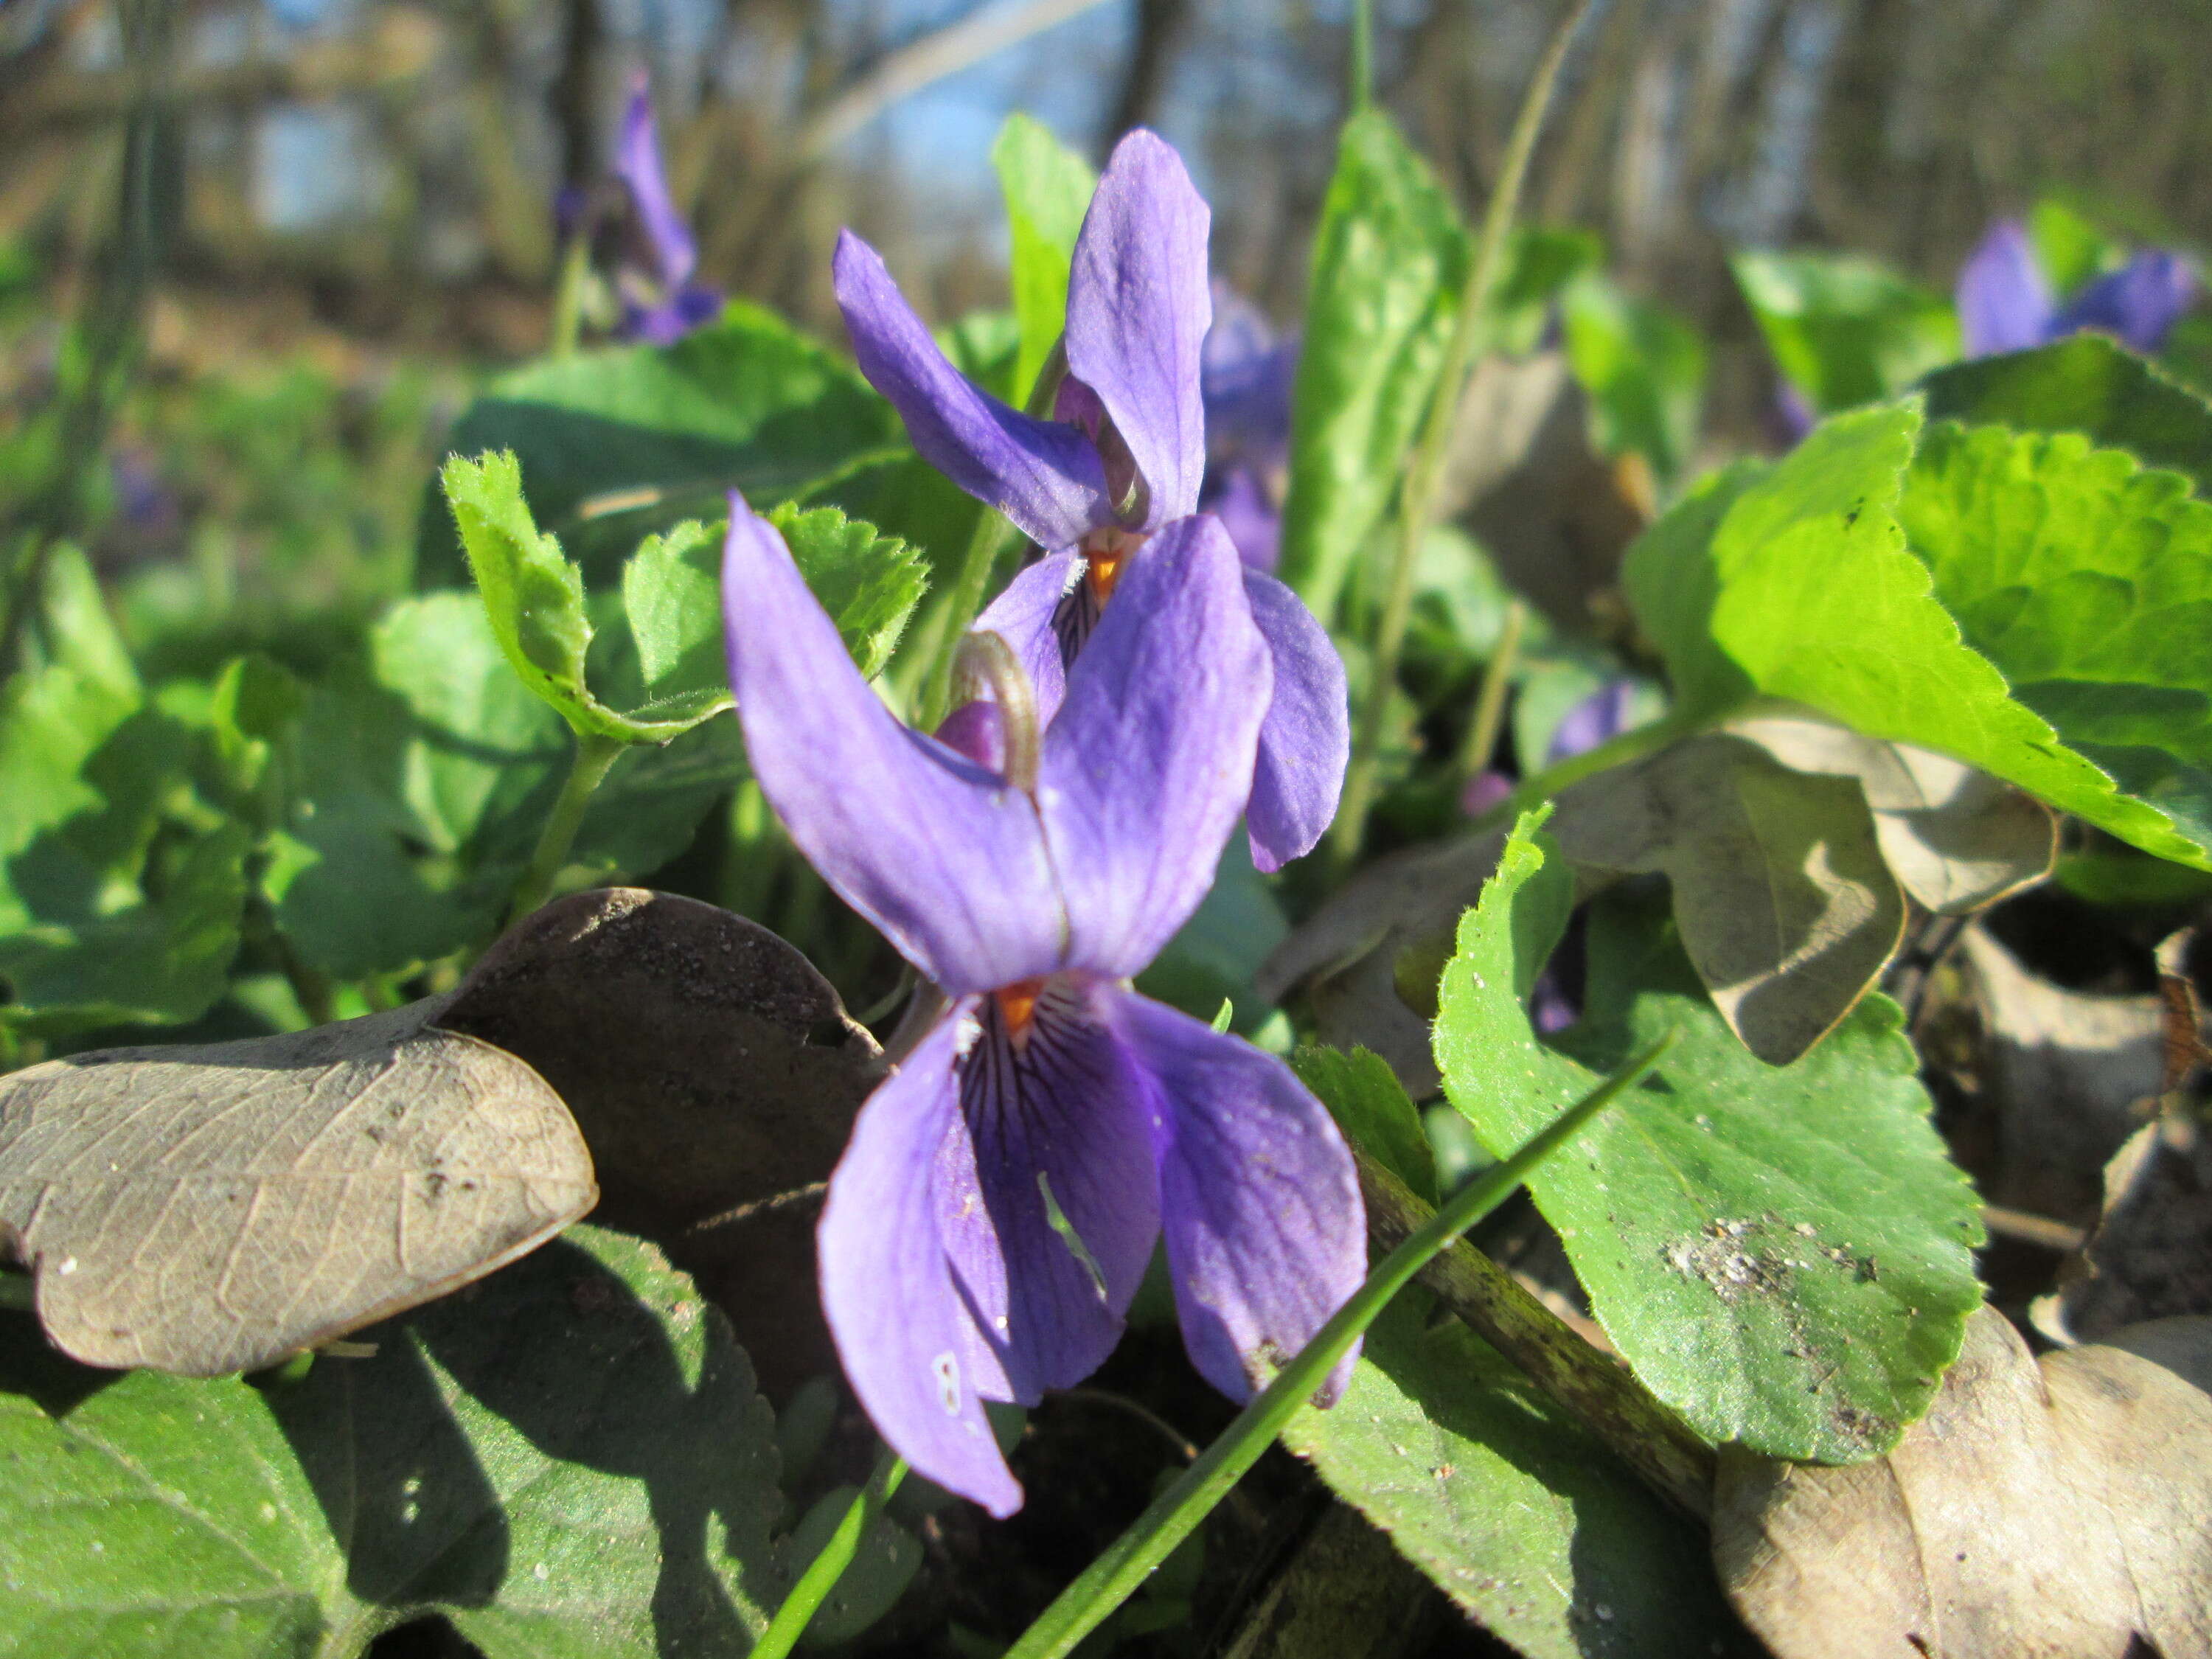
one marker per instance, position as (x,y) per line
(402,45)
(912,67)
(1160,25)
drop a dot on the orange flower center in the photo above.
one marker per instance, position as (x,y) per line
(1104,551)
(1018,1007)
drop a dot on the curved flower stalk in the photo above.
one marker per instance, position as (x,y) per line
(1245,375)
(660,303)
(2005,302)
(990,1221)
(1122,458)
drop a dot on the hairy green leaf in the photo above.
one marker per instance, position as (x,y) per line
(2088,582)
(1389,261)
(1782,1254)
(619,442)
(1514,1513)
(2088,384)
(1795,580)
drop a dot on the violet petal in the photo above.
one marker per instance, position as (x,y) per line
(1138,309)
(1306,740)
(943,856)
(1023,616)
(1266,1232)
(1043,475)
(1063,1104)
(887,1284)
(2004,302)
(1236,495)
(637,164)
(1150,760)
(2139,303)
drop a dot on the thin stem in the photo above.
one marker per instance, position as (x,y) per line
(1114,1576)
(568,297)
(1613,751)
(1363,56)
(1490,702)
(960,609)
(1417,499)
(823,1573)
(1600,1392)
(586,772)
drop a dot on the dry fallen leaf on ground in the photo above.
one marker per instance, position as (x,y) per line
(2151,1255)
(212,1209)
(2058,1511)
(2063,1072)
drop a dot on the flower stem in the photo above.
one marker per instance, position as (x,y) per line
(1114,1576)
(1490,702)
(594,755)
(1417,498)
(823,1573)
(961,607)
(568,298)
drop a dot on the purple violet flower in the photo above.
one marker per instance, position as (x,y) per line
(1122,460)
(661,302)
(988,1224)
(2005,302)
(1245,376)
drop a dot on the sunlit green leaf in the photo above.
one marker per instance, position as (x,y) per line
(1389,262)
(1783,1255)
(1843,330)
(1048,189)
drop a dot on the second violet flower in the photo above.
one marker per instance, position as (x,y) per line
(1123,459)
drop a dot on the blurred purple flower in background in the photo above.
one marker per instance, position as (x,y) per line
(660,303)
(1123,459)
(988,1224)
(2005,302)
(1245,374)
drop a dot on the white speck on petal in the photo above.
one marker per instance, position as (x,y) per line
(68,1266)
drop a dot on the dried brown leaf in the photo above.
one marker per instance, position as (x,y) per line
(1957,838)
(712,1069)
(1784,903)
(212,1209)
(2051,1512)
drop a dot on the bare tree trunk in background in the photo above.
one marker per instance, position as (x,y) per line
(1160,28)
(575,93)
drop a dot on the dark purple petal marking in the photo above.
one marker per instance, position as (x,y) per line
(1043,475)
(1149,759)
(1266,1233)
(944,857)
(1051,1103)
(1138,310)
(1306,739)
(887,1284)
(2004,302)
